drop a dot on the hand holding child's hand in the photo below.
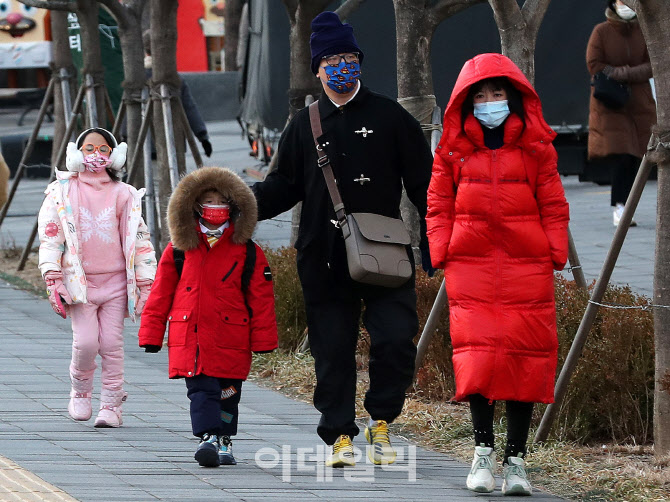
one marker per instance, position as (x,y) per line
(142,301)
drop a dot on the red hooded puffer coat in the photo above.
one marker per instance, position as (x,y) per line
(211,331)
(497,223)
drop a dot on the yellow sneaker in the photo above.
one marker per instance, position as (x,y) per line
(343,453)
(380,451)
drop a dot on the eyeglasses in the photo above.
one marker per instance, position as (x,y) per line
(336,59)
(91,148)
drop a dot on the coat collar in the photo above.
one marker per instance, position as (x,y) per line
(512,130)
(623,26)
(327,108)
(225,236)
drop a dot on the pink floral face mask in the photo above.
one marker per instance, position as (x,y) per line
(95,162)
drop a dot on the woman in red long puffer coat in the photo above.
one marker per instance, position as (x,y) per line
(497,223)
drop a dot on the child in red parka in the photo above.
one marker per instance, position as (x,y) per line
(220,306)
(497,224)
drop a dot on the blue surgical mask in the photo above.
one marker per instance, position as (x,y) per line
(492,113)
(343,77)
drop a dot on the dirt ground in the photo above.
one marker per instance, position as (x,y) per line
(30,275)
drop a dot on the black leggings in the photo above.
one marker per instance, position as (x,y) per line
(519,415)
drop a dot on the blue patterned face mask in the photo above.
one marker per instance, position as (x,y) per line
(343,77)
(492,113)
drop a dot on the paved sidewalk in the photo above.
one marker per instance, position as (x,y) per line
(151,457)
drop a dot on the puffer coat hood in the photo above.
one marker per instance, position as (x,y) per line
(486,66)
(181,213)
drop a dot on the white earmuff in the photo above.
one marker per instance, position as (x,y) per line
(118,157)
(74,158)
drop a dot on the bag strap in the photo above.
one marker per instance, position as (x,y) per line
(324,163)
(179,257)
(247,272)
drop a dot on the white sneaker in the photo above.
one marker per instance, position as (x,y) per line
(481,478)
(618,213)
(515,482)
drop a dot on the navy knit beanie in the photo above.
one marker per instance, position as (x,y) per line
(330,36)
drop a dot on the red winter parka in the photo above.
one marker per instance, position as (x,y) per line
(497,223)
(211,331)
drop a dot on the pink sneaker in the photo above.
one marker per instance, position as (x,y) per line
(110,414)
(79,407)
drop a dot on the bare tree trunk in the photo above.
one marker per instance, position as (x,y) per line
(164,56)
(62,58)
(128,15)
(130,35)
(415,26)
(231,25)
(302,81)
(414,34)
(654,19)
(518,28)
(87,14)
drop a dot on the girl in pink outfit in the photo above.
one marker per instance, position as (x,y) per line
(98,263)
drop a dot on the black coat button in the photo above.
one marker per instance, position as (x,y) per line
(188,288)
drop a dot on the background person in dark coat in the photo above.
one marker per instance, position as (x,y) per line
(195,120)
(375,147)
(618,137)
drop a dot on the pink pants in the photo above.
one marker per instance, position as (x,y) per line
(97,328)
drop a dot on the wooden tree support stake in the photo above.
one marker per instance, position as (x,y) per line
(27,152)
(596,297)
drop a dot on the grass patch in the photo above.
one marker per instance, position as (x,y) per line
(29,279)
(23,284)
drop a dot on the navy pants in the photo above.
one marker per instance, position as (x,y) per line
(214,404)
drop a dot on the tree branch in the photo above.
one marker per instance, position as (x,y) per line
(135,6)
(507,14)
(118,10)
(444,9)
(533,12)
(347,8)
(69,5)
(291,8)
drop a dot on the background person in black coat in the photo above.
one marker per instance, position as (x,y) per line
(193,116)
(375,146)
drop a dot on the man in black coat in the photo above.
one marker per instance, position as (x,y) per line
(375,146)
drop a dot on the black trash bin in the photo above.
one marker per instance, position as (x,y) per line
(38,164)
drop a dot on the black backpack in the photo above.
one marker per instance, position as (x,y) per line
(247,271)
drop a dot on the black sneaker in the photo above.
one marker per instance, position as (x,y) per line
(207,453)
(226,451)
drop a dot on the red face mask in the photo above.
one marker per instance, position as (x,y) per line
(215,215)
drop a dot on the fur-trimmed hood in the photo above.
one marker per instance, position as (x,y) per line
(181,218)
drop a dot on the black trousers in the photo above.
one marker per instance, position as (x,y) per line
(519,415)
(333,314)
(623,168)
(214,404)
